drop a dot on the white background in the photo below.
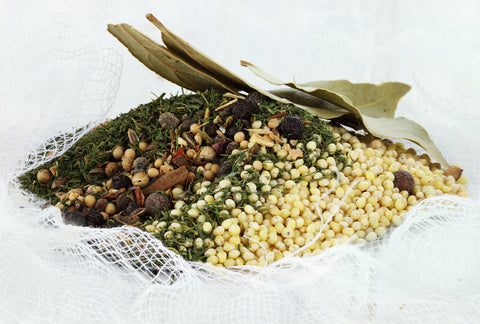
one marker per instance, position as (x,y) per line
(51,50)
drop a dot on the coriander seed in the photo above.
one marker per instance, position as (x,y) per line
(117,152)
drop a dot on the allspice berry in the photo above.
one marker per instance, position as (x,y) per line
(404,181)
(44,176)
(111,169)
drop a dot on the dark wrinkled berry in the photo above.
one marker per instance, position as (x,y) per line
(140,163)
(120,181)
(122,201)
(101,204)
(74,217)
(130,208)
(94,218)
(404,181)
(111,223)
(245,122)
(231,131)
(255,98)
(187,121)
(242,109)
(168,120)
(157,202)
(220,147)
(211,130)
(231,146)
(218,139)
(79,205)
(227,111)
(292,127)
(224,169)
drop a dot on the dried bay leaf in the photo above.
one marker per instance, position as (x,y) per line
(197,59)
(404,128)
(160,60)
(358,98)
(143,55)
(370,106)
(151,54)
(312,104)
(371,99)
(375,110)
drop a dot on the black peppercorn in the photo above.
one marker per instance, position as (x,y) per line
(122,201)
(74,217)
(100,204)
(157,202)
(242,109)
(120,181)
(211,130)
(112,222)
(231,131)
(231,146)
(79,205)
(140,163)
(131,207)
(292,127)
(168,120)
(187,121)
(218,139)
(94,218)
(255,98)
(224,169)
(227,111)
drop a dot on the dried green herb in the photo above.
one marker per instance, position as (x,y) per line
(85,163)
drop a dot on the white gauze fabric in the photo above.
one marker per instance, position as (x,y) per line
(62,74)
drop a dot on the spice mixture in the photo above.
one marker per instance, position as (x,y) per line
(234,180)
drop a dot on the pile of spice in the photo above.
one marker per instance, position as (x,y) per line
(234,180)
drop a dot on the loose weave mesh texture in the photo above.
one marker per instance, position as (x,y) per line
(424,271)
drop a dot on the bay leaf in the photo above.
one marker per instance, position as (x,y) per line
(358,98)
(404,128)
(144,56)
(375,111)
(314,105)
(373,106)
(197,59)
(160,60)
(371,99)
